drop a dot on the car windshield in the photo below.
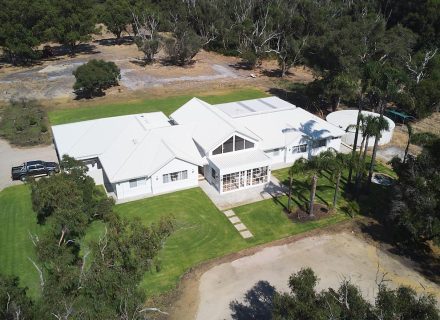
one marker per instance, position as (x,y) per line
(32,163)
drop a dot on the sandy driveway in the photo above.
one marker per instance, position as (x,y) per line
(15,156)
(332,257)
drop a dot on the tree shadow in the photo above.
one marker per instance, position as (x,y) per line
(258,303)
(297,96)
(125,40)
(273,73)
(57,52)
(426,262)
(242,65)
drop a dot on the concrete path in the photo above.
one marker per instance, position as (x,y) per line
(241,197)
(10,156)
(332,257)
(244,232)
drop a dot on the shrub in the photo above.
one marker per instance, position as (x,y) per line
(24,123)
(423,138)
(94,77)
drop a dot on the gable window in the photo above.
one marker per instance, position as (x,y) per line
(234,143)
(218,150)
(299,149)
(248,144)
(228,146)
(175,176)
(239,143)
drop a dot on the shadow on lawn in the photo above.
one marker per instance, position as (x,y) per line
(258,303)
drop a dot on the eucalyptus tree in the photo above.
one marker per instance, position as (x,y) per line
(73,22)
(116,16)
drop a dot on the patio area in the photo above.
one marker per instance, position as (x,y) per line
(241,197)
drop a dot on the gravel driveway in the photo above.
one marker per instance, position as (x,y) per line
(10,156)
(332,257)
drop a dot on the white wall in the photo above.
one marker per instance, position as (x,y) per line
(158,186)
(276,158)
(123,189)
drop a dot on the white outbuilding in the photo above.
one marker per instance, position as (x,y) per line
(346,119)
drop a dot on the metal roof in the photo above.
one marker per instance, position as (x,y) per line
(242,160)
(128,147)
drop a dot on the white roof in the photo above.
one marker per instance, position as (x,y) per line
(344,118)
(254,106)
(209,126)
(281,128)
(271,121)
(246,159)
(128,147)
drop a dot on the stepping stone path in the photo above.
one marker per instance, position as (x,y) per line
(241,228)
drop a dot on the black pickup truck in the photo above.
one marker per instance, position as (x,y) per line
(34,168)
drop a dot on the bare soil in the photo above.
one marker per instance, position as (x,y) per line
(52,79)
(341,251)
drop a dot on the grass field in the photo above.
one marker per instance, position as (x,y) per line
(166,105)
(202,232)
(16,221)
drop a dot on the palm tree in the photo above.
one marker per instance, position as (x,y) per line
(315,165)
(409,129)
(297,167)
(339,163)
(368,131)
(357,127)
(381,124)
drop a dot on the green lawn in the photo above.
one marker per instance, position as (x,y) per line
(166,105)
(268,221)
(16,221)
(202,232)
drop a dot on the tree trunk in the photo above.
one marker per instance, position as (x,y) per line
(335,196)
(336,102)
(376,144)
(359,173)
(407,144)
(353,153)
(312,195)
(289,201)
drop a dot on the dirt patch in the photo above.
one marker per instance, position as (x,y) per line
(342,251)
(302,215)
(52,78)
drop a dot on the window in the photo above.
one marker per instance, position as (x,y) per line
(175,176)
(228,146)
(248,144)
(319,143)
(237,180)
(133,183)
(218,150)
(239,143)
(234,143)
(213,173)
(299,149)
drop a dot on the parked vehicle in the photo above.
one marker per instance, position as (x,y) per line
(34,168)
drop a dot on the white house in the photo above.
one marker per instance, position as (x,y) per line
(241,141)
(132,155)
(233,145)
